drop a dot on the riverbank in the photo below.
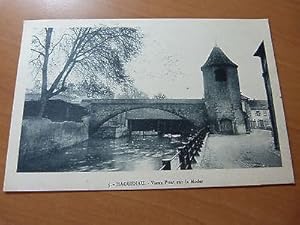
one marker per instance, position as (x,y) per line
(40,136)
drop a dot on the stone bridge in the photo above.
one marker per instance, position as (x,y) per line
(101,110)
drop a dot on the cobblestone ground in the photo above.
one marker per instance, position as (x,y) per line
(240,151)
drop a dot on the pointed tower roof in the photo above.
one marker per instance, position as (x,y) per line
(217,57)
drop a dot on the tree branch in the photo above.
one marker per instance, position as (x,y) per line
(63,87)
(67,64)
(34,50)
(39,41)
(68,72)
(97,47)
(54,46)
(36,59)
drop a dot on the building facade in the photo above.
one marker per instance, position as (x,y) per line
(257,112)
(260,114)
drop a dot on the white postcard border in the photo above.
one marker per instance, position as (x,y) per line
(70,181)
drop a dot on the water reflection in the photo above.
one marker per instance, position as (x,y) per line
(137,153)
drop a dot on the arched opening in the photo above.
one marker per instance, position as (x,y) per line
(135,152)
(145,121)
(226,126)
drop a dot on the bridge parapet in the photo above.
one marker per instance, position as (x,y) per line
(85,102)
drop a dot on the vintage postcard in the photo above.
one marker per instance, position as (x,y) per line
(126,104)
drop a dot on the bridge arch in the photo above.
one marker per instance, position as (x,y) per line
(100,111)
(99,123)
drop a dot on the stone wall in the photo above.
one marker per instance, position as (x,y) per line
(111,132)
(56,110)
(40,136)
(222,99)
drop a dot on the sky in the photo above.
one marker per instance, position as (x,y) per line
(174,50)
(173,54)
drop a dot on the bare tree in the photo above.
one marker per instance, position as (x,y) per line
(131,92)
(93,54)
(160,96)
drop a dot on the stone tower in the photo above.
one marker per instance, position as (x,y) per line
(222,94)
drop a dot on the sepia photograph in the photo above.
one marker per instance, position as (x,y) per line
(146,103)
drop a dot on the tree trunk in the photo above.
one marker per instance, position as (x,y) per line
(44,92)
(43,104)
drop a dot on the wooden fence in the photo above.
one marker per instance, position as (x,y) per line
(187,152)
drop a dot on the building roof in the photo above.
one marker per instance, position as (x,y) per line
(260,51)
(244,97)
(217,57)
(258,104)
(66,98)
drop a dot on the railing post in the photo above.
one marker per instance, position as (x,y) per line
(166,164)
(196,148)
(192,153)
(188,159)
(181,157)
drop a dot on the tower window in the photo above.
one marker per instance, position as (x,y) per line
(221,75)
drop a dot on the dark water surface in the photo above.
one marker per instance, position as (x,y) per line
(123,154)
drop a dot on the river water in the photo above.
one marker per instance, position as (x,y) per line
(137,153)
